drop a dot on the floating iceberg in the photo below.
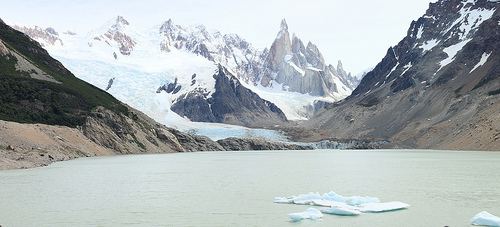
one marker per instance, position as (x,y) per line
(341,205)
(485,219)
(286,200)
(310,213)
(341,210)
(309,198)
(306,199)
(360,200)
(324,203)
(382,207)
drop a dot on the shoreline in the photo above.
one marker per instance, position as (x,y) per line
(40,163)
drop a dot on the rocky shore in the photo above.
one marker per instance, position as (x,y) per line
(107,133)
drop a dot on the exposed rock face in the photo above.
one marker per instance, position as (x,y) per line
(140,134)
(47,36)
(248,144)
(435,88)
(301,68)
(231,103)
(281,47)
(3,49)
(117,35)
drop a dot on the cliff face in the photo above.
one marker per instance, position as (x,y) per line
(302,68)
(140,134)
(231,103)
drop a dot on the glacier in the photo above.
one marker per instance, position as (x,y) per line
(143,59)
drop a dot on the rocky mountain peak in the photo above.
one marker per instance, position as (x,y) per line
(314,56)
(121,21)
(437,87)
(340,67)
(115,34)
(301,69)
(46,37)
(434,43)
(167,28)
(284,25)
(281,47)
(51,31)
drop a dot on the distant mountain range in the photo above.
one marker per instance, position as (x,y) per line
(172,72)
(437,88)
(47,115)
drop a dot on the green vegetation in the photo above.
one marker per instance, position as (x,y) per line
(27,100)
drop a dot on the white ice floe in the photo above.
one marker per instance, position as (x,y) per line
(310,213)
(382,207)
(283,200)
(307,199)
(485,219)
(338,205)
(343,211)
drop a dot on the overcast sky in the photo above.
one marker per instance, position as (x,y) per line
(356,32)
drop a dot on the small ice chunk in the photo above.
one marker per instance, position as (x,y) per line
(306,199)
(285,200)
(323,203)
(351,200)
(310,213)
(334,197)
(360,200)
(343,211)
(485,219)
(383,207)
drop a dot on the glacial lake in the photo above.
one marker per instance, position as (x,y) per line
(444,188)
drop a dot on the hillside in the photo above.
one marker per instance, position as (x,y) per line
(68,117)
(437,88)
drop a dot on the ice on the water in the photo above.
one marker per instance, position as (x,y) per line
(338,205)
(307,199)
(485,219)
(382,207)
(283,200)
(310,213)
(341,210)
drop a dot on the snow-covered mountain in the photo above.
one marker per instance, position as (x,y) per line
(438,87)
(172,67)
